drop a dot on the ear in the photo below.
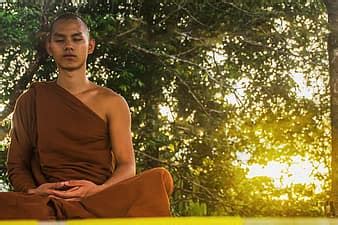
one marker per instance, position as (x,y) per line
(91,46)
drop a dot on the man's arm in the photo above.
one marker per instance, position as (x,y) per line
(21,146)
(119,120)
(20,153)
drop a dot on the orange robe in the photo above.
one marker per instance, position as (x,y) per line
(55,137)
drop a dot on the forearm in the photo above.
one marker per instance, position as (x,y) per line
(122,172)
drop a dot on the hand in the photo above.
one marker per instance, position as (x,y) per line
(78,189)
(47,188)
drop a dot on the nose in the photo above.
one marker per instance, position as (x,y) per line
(68,45)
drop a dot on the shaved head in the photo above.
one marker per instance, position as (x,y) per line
(65,17)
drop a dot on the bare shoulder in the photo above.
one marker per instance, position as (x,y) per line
(112,101)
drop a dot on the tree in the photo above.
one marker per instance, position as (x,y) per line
(332,8)
(188,58)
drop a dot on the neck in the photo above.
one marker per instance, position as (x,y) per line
(73,81)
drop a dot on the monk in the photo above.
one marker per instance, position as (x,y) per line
(71,153)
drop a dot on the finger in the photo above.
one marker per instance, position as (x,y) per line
(73,189)
(53,196)
(48,191)
(73,199)
(57,185)
(72,183)
(31,191)
(65,194)
(43,192)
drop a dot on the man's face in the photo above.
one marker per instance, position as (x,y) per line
(69,44)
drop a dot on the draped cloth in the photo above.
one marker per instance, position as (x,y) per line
(55,137)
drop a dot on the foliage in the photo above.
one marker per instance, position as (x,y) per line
(224,71)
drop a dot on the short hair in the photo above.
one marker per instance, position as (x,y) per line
(68,16)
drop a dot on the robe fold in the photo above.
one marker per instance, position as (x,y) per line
(55,137)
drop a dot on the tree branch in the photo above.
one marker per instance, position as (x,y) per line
(189,36)
(194,18)
(139,22)
(153,158)
(182,81)
(179,7)
(178,60)
(186,52)
(219,72)
(193,94)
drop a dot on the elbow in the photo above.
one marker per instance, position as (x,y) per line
(12,168)
(128,167)
(133,169)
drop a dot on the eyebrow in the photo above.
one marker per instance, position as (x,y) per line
(62,35)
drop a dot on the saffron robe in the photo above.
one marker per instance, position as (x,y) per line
(55,137)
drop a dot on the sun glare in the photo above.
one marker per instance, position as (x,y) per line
(300,170)
(302,89)
(166,112)
(236,97)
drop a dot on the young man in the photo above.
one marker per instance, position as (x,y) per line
(71,153)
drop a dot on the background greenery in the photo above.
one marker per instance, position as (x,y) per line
(207,82)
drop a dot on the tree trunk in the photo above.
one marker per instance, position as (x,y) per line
(332,10)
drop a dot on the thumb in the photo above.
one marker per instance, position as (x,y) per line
(31,191)
(73,183)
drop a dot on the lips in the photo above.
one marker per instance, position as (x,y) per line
(69,56)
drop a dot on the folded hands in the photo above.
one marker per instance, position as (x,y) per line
(73,190)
